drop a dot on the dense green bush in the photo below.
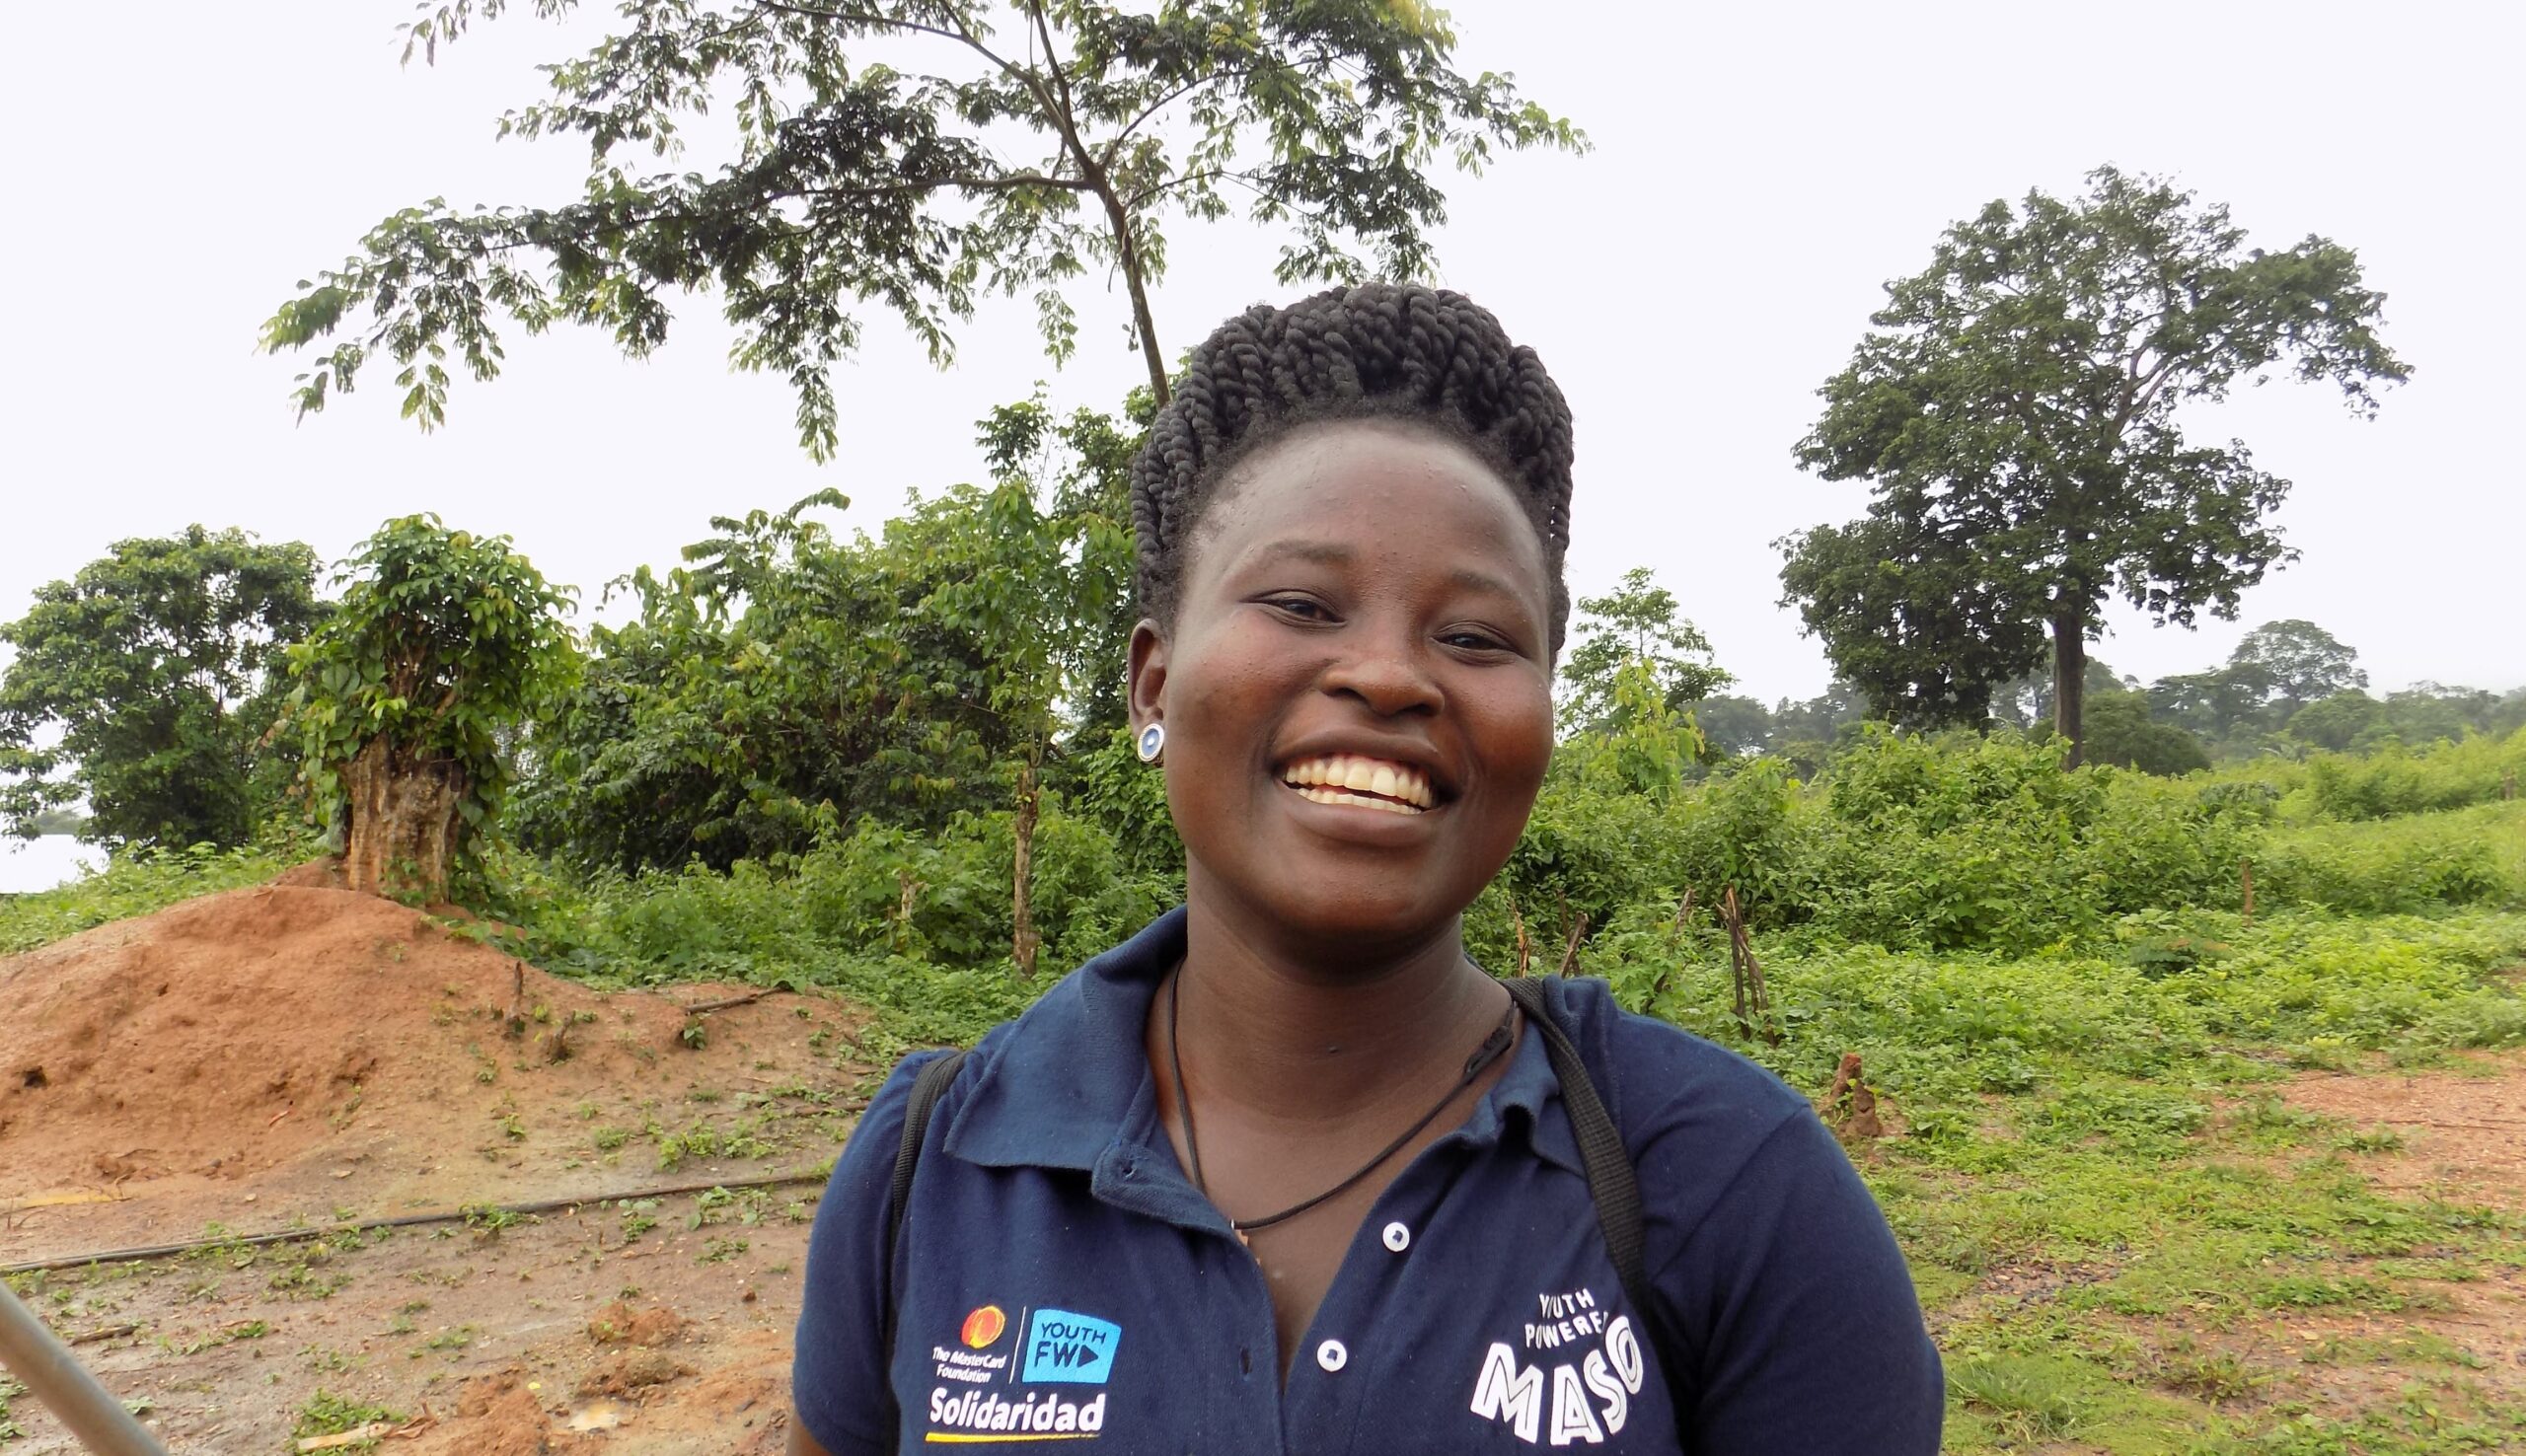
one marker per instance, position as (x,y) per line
(2397,866)
(2398,780)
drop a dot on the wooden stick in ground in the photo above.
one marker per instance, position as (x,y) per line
(1570,952)
(1684,907)
(725,1004)
(1753,999)
(1525,952)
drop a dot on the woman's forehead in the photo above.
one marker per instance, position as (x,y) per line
(1403,481)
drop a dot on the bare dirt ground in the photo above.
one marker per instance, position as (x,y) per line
(2463,1133)
(294,1057)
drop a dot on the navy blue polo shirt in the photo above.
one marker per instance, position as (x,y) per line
(1059,1279)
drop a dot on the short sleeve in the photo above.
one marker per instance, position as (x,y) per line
(838,1382)
(1811,1335)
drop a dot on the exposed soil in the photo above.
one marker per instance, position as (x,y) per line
(294,1057)
(2463,1133)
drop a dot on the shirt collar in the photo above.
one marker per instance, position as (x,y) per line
(1060,1088)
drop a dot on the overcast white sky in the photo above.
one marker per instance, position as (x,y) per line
(1758,172)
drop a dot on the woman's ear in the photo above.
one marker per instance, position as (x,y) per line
(1147,682)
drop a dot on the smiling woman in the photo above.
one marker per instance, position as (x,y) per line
(1287,1172)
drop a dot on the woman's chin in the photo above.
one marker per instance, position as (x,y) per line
(1343,914)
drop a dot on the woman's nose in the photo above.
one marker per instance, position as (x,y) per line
(1386,670)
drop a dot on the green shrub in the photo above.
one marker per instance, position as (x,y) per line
(2397,866)
(2396,780)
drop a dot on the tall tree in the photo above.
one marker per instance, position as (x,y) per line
(148,677)
(857,182)
(1639,627)
(2286,665)
(444,645)
(2014,411)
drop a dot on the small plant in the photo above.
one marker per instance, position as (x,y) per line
(10,1390)
(490,1221)
(326,1414)
(640,1215)
(2370,1140)
(224,1334)
(720,1249)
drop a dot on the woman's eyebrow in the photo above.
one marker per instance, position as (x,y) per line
(1337,553)
(1313,552)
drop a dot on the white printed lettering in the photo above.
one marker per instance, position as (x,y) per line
(1602,1382)
(1572,1421)
(1507,1392)
(1623,1348)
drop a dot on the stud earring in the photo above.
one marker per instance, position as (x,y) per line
(1153,742)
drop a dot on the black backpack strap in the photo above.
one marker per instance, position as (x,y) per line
(1612,1182)
(1610,1178)
(928,1085)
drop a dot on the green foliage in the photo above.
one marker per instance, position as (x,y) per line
(444,644)
(2119,733)
(154,665)
(913,190)
(2399,866)
(785,686)
(2394,780)
(1636,628)
(326,1414)
(2015,412)
(915,923)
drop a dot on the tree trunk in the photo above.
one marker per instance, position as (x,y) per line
(1126,252)
(1024,942)
(403,823)
(2070,685)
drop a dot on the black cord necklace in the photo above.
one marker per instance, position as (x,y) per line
(1483,1055)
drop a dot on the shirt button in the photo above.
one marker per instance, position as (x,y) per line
(1331,1356)
(1397,1237)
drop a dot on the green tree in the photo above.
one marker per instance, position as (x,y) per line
(2013,409)
(2284,665)
(443,646)
(1734,725)
(2335,722)
(2120,733)
(1025,145)
(1638,628)
(783,686)
(147,677)
(2025,700)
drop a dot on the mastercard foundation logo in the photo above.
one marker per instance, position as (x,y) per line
(984,1327)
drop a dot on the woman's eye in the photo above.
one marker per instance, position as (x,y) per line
(1473,641)
(1303,608)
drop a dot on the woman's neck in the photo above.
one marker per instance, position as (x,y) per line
(1306,1034)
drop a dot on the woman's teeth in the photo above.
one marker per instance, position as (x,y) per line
(1371,783)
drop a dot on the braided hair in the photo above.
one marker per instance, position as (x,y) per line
(1420,357)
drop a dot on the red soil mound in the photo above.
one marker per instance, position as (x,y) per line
(241,1032)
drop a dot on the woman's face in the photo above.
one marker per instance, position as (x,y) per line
(1356,689)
